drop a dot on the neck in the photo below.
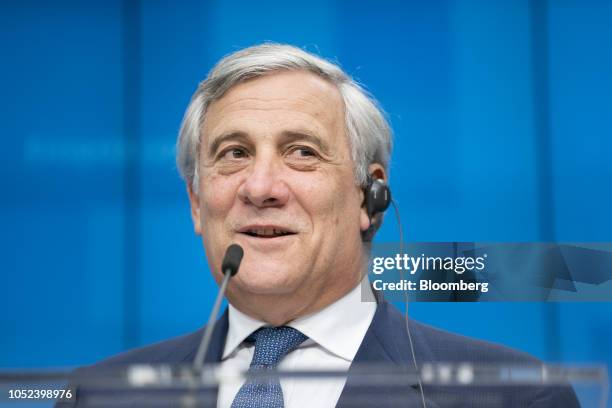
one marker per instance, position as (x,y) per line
(280,309)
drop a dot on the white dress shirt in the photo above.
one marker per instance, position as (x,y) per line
(334,336)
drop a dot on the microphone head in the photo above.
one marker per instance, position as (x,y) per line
(232,259)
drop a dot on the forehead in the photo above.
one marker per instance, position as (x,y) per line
(285,98)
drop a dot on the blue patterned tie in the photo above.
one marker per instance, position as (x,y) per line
(271,345)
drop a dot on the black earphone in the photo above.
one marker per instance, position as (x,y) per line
(376,197)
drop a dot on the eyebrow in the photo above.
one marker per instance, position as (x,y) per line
(230,136)
(287,136)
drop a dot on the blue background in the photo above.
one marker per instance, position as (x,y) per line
(502,113)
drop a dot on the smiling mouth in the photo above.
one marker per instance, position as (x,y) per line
(266,232)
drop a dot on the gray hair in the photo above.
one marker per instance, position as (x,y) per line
(368,131)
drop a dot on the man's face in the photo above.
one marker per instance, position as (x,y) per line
(276,177)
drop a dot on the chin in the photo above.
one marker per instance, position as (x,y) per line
(266,279)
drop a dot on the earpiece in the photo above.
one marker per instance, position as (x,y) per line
(377,197)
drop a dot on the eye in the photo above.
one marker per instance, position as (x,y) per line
(234,153)
(302,152)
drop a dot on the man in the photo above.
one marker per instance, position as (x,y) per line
(278,148)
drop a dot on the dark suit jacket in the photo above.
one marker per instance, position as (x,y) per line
(386,342)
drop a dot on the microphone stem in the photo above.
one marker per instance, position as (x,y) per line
(199,359)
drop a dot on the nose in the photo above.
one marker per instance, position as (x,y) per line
(263,186)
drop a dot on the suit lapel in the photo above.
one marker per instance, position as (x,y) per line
(185,355)
(217,342)
(207,397)
(215,353)
(385,345)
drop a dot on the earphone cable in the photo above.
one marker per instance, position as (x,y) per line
(401,248)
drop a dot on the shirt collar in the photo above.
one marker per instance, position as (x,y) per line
(240,327)
(339,327)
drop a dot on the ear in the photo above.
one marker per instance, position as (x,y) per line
(376,171)
(194,201)
(364,220)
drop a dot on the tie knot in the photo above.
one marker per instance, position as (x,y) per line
(272,343)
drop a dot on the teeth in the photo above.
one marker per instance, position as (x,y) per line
(267,232)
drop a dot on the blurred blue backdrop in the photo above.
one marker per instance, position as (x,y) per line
(502,113)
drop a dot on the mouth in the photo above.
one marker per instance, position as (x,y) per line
(266,232)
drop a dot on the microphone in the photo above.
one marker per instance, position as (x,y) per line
(229,268)
(232,259)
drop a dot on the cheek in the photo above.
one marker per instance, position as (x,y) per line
(218,195)
(333,201)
